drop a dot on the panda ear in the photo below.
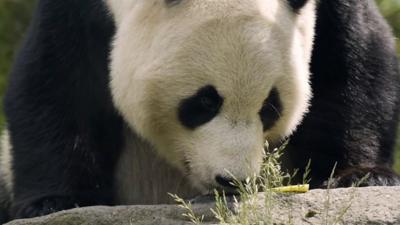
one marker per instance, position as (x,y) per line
(297,4)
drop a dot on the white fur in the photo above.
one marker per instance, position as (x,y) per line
(162,55)
(156,177)
(6,162)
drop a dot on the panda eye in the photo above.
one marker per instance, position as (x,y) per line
(271,110)
(200,108)
(209,103)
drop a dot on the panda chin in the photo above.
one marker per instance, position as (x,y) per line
(208,193)
(231,198)
(143,177)
(206,189)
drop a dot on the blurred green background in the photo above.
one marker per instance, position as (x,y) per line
(15,15)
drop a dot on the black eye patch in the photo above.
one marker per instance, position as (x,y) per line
(271,110)
(297,4)
(200,108)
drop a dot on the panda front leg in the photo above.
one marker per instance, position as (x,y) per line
(64,131)
(354,113)
(53,172)
(58,166)
(364,176)
(53,178)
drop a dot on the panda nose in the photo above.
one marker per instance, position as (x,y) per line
(225,181)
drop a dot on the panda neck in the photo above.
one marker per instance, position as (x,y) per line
(142,177)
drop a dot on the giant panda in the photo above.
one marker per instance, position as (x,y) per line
(119,102)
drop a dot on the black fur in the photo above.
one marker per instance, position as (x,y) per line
(67,135)
(64,129)
(200,108)
(355,79)
(297,4)
(271,110)
(362,177)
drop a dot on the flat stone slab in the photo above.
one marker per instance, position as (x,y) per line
(366,206)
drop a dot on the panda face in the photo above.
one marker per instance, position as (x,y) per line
(207,81)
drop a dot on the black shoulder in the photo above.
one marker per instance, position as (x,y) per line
(355,79)
(59,110)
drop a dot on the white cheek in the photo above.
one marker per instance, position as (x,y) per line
(306,27)
(294,87)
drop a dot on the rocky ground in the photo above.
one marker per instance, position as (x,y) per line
(366,206)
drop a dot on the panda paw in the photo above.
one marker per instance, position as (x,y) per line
(364,177)
(42,207)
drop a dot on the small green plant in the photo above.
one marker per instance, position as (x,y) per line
(250,210)
(336,217)
(189,214)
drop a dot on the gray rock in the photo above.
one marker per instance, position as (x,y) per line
(366,206)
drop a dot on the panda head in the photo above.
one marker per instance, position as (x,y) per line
(206,82)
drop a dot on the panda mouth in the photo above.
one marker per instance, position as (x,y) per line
(227,191)
(220,185)
(186,165)
(211,188)
(210,198)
